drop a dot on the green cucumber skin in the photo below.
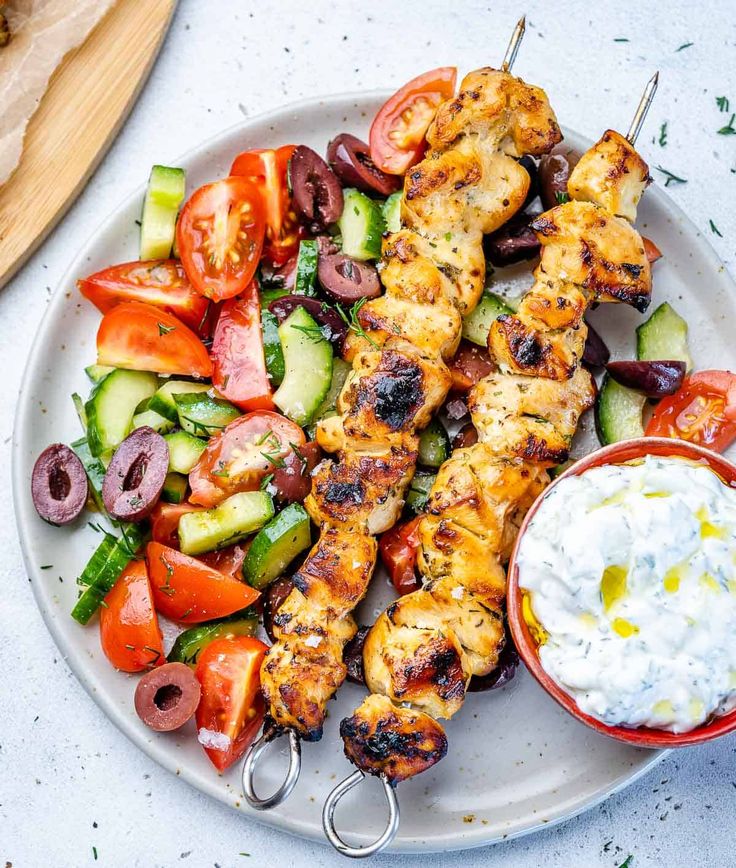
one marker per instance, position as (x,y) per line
(664,336)
(391,211)
(434,445)
(184,451)
(175,487)
(272,350)
(200,414)
(163,400)
(361,225)
(190,643)
(98,372)
(477,324)
(112,405)
(276,545)
(223,525)
(618,412)
(416,497)
(164,195)
(306,268)
(152,419)
(94,469)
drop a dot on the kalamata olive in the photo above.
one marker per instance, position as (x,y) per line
(554,171)
(316,192)
(352,656)
(655,378)
(508,661)
(335,328)
(293,481)
(274,598)
(456,408)
(136,474)
(346,279)
(58,484)
(531,167)
(596,353)
(350,159)
(167,697)
(466,436)
(514,242)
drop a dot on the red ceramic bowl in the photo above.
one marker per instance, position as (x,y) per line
(617,453)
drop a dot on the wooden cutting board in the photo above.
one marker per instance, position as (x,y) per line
(88,98)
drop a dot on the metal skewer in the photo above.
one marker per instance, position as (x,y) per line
(647,98)
(514,43)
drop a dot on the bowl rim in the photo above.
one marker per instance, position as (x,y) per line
(615,453)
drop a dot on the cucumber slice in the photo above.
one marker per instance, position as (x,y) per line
(477,324)
(391,210)
(189,644)
(308,367)
(663,336)
(94,469)
(272,293)
(201,414)
(165,193)
(361,225)
(111,407)
(98,372)
(306,268)
(434,445)
(421,485)
(175,488)
(231,521)
(276,545)
(618,412)
(272,350)
(153,420)
(163,401)
(78,402)
(184,451)
(328,407)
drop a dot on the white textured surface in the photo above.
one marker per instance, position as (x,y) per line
(70,781)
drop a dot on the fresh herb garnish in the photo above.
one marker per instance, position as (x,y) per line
(45,566)
(266,481)
(714,229)
(684,46)
(663,134)
(562,196)
(353,323)
(626,863)
(620,39)
(164,330)
(315,333)
(729,129)
(723,103)
(671,177)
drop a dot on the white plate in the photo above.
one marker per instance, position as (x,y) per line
(516,760)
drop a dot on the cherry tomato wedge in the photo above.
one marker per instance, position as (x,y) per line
(186,589)
(231,709)
(165,521)
(228,560)
(471,364)
(267,170)
(651,251)
(242,454)
(160,282)
(398,548)
(129,631)
(145,338)
(220,236)
(397,133)
(702,411)
(238,362)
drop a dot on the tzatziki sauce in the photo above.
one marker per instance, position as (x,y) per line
(628,576)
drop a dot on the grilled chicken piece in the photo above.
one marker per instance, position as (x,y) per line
(381,738)
(5,34)
(611,174)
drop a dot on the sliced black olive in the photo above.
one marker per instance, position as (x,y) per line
(274,598)
(531,167)
(596,353)
(136,475)
(350,159)
(316,192)
(514,242)
(466,436)
(352,656)
(293,480)
(508,661)
(167,697)
(334,326)
(58,485)
(554,172)
(346,279)
(655,379)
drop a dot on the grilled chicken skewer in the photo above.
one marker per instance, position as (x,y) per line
(469,184)
(422,651)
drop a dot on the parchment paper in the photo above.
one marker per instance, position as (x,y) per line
(43,31)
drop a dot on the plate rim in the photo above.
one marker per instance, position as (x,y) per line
(451,841)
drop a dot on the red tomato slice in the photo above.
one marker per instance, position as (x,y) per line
(268,171)
(239,365)
(241,455)
(397,133)
(129,631)
(651,251)
(228,560)
(145,338)
(398,548)
(160,282)
(187,590)
(231,709)
(470,365)
(165,521)
(220,236)
(702,411)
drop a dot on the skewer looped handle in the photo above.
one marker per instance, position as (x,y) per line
(292,775)
(328,818)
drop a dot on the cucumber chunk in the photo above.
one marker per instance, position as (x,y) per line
(361,225)
(434,445)
(664,336)
(111,407)
(200,414)
(272,293)
(306,268)
(241,514)
(184,451)
(190,643)
(175,487)
(163,400)
(391,210)
(165,193)
(477,324)
(308,367)
(272,350)
(79,407)
(98,372)
(276,545)
(421,485)
(618,412)
(153,420)
(94,469)
(328,407)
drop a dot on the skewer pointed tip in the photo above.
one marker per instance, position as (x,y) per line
(514,43)
(641,110)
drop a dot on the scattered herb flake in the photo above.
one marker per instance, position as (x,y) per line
(620,39)
(164,330)
(671,177)
(94,853)
(45,566)
(626,863)
(714,229)
(723,103)
(561,196)
(663,134)
(684,46)
(729,129)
